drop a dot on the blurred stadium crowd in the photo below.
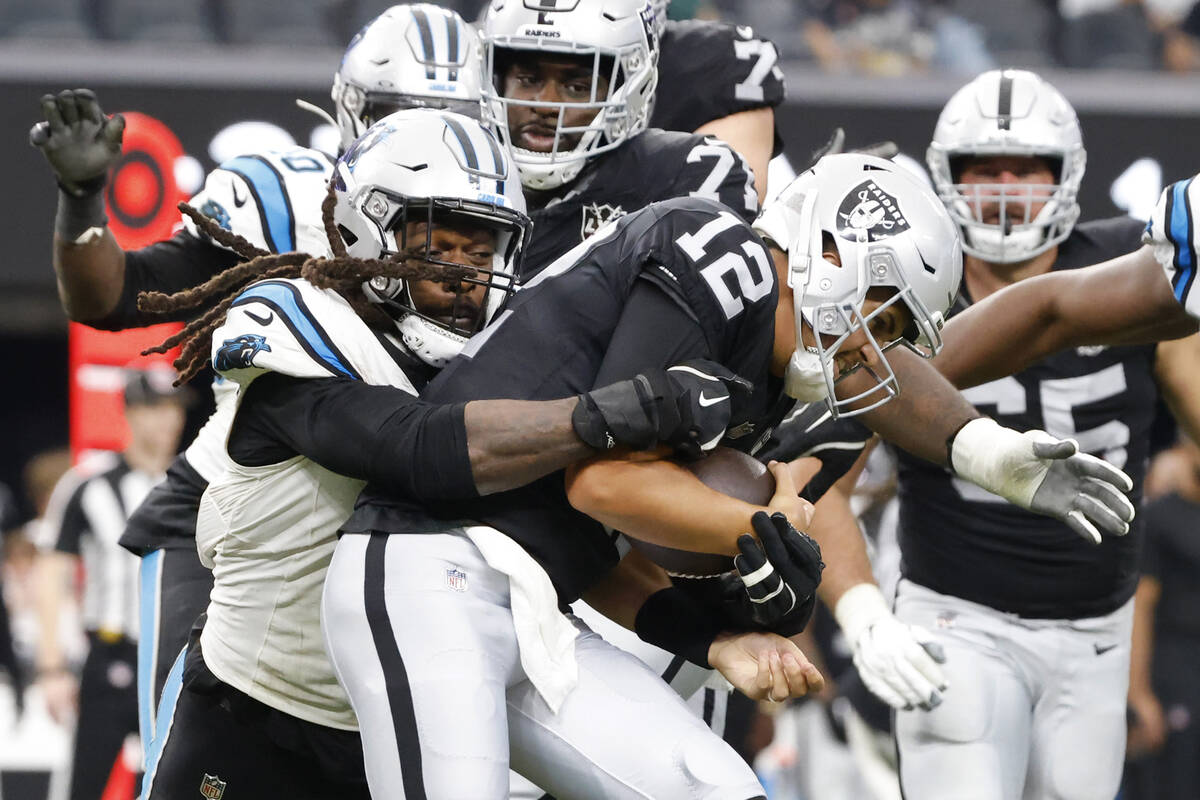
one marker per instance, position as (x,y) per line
(826,747)
(872,37)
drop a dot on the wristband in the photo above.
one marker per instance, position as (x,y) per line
(672,620)
(950,444)
(78,213)
(620,414)
(860,607)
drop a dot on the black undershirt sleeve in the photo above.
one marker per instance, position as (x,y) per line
(655,330)
(170,266)
(379,434)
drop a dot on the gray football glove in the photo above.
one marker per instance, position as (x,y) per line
(78,140)
(1041,473)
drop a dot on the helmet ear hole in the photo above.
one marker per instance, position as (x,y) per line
(347,235)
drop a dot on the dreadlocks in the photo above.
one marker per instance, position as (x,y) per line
(342,273)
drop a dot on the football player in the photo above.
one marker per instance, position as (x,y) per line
(326,388)
(1035,624)
(272,200)
(570,87)
(684,276)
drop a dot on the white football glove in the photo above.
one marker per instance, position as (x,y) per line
(898,663)
(1038,472)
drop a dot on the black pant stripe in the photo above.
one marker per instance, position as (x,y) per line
(399,693)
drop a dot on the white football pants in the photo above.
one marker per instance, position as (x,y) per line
(1035,708)
(420,632)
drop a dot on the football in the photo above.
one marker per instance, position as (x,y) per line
(730,472)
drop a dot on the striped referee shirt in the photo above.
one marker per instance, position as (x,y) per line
(92,522)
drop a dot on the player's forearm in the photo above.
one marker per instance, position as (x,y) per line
(925,415)
(90,276)
(511,443)
(842,547)
(1126,300)
(1176,365)
(659,502)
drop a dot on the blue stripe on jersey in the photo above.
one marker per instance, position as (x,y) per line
(162,728)
(284,299)
(1180,230)
(274,207)
(150,581)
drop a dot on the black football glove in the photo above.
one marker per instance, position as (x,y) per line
(78,140)
(687,406)
(779,574)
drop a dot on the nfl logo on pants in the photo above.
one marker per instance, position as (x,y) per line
(212,787)
(456,579)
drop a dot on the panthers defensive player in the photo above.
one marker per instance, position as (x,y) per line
(650,287)
(569,87)
(719,80)
(1035,623)
(271,200)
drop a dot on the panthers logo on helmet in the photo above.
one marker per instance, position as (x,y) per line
(239,352)
(216,212)
(869,209)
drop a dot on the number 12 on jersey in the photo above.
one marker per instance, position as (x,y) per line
(727,268)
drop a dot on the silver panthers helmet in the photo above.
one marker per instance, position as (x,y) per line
(890,231)
(426,165)
(1009,112)
(620,38)
(414,55)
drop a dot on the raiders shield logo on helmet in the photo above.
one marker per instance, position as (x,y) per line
(597,214)
(869,209)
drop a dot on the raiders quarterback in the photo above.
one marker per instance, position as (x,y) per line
(1035,624)
(648,288)
(570,88)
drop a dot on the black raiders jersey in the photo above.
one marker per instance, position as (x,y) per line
(957,539)
(708,70)
(573,329)
(654,165)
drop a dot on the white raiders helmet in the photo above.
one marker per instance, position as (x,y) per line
(425,165)
(415,55)
(890,231)
(620,38)
(1013,113)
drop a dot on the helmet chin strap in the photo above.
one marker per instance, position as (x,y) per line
(805,378)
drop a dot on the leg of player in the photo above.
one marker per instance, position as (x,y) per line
(421,637)
(173,592)
(975,745)
(1078,742)
(211,738)
(662,749)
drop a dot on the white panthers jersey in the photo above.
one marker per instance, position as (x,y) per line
(273,200)
(269,532)
(1172,233)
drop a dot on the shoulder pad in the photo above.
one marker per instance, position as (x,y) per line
(282,326)
(272,199)
(1172,234)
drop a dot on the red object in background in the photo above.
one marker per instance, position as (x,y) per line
(141,201)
